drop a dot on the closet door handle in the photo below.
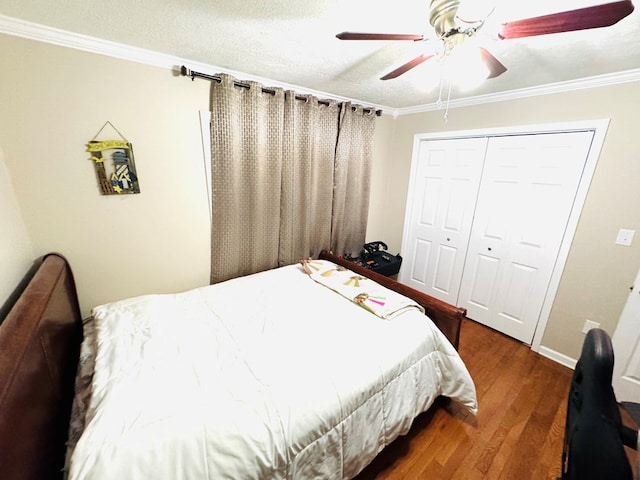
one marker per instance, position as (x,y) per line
(489,248)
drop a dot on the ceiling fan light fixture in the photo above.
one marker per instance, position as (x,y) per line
(463,64)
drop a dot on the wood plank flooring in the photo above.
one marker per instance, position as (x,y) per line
(517,434)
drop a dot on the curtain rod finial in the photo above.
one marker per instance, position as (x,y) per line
(187,73)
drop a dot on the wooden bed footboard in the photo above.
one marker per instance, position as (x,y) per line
(39,349)
(447,318)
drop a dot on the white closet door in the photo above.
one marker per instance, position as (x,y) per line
(528,188)
(445,180)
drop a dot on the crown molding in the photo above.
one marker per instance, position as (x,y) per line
(559,87)
(55,36)
(42,33)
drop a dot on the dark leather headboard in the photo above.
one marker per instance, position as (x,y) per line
(39,349)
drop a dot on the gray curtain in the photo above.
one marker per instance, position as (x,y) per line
(274,159)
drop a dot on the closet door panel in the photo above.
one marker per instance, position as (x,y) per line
(527,191)
(518,289)
(422,251)
(443,191)
(429,205)
(445,280)
(483,279)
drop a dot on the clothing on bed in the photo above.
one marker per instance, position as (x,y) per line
(266,376)
(363,291)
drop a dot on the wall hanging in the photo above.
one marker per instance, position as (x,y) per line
(114,164)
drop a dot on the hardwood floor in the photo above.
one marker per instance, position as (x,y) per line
(517,434)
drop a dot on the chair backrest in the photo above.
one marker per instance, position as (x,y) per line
(593,448)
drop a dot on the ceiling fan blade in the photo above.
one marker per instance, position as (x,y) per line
(378,36)
(406,67)
(581,19)
(495,67)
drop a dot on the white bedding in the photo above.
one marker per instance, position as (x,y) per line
(253,379)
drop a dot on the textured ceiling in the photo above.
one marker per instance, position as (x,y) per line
(293,41)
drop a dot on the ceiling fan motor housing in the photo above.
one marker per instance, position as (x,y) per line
(442,16)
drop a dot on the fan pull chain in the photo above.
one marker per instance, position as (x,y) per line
(446,112)
(439,102)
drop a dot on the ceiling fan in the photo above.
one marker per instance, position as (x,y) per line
(454,32)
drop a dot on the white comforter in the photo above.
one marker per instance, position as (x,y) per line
(266,376)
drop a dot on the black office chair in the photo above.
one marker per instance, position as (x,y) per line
(595,436)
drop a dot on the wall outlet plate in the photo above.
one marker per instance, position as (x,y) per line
(588,325)
(625,237)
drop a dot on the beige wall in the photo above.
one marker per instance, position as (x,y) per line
(54,100)
(598,273)
(377,228)
(16,254)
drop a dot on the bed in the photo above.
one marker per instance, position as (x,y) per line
(298,392)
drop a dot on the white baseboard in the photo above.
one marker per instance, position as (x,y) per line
(558,357)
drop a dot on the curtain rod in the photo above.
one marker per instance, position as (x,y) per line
(185,72)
